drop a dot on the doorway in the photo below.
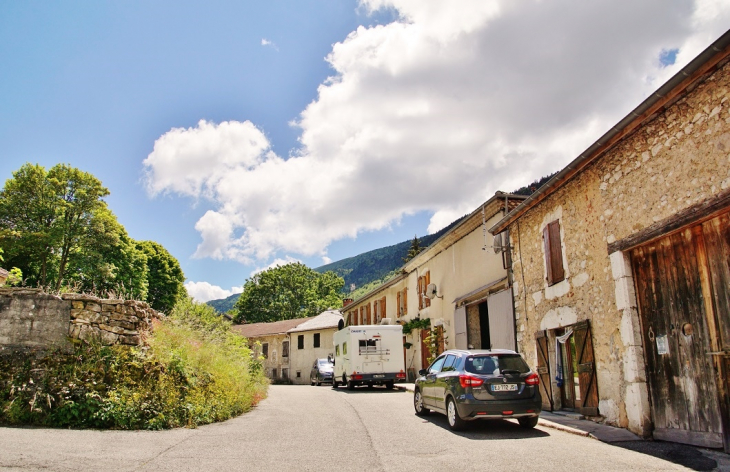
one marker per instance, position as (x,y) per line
(568,376)
(485,341)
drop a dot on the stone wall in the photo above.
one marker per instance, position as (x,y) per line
(31,319)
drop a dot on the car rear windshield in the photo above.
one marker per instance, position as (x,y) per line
(494,364)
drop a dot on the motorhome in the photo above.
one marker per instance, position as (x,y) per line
(369,355)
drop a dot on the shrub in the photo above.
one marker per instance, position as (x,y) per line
(192,370)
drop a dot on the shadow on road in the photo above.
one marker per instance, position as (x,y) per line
(688,456)
(487,430)
(365,389)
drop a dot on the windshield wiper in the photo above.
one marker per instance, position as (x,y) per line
(510,372)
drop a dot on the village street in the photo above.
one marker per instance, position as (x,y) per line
(317,428)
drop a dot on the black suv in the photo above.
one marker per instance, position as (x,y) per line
(476,384)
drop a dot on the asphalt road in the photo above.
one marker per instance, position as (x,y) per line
(320,429)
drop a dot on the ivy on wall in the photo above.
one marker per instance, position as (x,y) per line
(409,326)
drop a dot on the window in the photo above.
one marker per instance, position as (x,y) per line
(285,373)
(436,366)
(337,350)
(423,300)
(299,374)
(368,346)
(273,373)
(300,341)
(344,349)
(316,339)
(553,253)
(449,364)
(379,309)
(285,349)
(265,350)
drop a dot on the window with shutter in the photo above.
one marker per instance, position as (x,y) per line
(426,282)
(398,305)
(265,350)
(382,308)
(285,349)
(405,301)
(553,253)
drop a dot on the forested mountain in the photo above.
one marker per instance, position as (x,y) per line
(223,305)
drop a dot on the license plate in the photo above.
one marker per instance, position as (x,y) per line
(504,387)
(378,376)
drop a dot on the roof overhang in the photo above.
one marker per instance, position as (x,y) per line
(707,62)
(481,293)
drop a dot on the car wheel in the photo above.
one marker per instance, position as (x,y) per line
(528,422)
(317,382)
(311,382)
(452,414)
(335,383)
(350,385)
(418,404)
(389,385)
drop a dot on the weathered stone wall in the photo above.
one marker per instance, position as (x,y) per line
(112,321)
(680,158)
(32,319)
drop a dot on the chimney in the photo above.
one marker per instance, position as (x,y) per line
(346,302)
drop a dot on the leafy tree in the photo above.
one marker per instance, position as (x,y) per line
(413,250)
(44,218)
(110,260)
(287,292)
(165,277)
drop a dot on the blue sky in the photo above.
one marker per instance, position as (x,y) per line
(242,133)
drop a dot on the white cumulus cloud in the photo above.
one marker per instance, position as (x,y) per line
(433,112)
(203,291)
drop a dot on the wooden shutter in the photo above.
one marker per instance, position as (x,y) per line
(553,253)
(420,292)
(427,281)
(543,370)
(586,368)
(368,313)
(382,308)
(405,301)
(398,306)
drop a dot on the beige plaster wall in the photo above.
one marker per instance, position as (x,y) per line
(275,360)
(303,359)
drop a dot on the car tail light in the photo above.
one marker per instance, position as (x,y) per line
(469,381)
(400,375)
(507,412)
(532,379)
(356,376)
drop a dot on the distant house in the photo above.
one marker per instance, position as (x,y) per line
(273,343)
(290,347)
(621,266)
(312,340)
(459,283)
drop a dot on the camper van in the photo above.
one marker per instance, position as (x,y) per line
(369,355)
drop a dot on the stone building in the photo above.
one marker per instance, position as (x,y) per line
(312,340)
(459,283)
(271,341)
(621,266)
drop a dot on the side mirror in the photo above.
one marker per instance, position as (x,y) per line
(423,372)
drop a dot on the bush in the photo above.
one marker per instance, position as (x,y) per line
(192,370)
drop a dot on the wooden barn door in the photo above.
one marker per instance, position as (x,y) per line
(678,326)
(588,404)
(543,370)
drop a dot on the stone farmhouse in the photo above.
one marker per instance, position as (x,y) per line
(459,283)
(290,347)
(621,266)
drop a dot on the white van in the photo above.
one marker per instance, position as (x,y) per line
(369,355)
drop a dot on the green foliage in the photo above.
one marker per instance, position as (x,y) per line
(528,190)
(368,287)
(414,250)
(57,229)
(287,292)
(417,323)
(165,277)
(225,305)
(194,371)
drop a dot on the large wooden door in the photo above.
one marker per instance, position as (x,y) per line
(678,322)
(588,401)
(543,370)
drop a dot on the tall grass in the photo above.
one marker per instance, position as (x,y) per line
(191,370)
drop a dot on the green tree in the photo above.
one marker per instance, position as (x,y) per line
(413,250)
(44,218)
(165,277)
(110,260)
(288,292)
